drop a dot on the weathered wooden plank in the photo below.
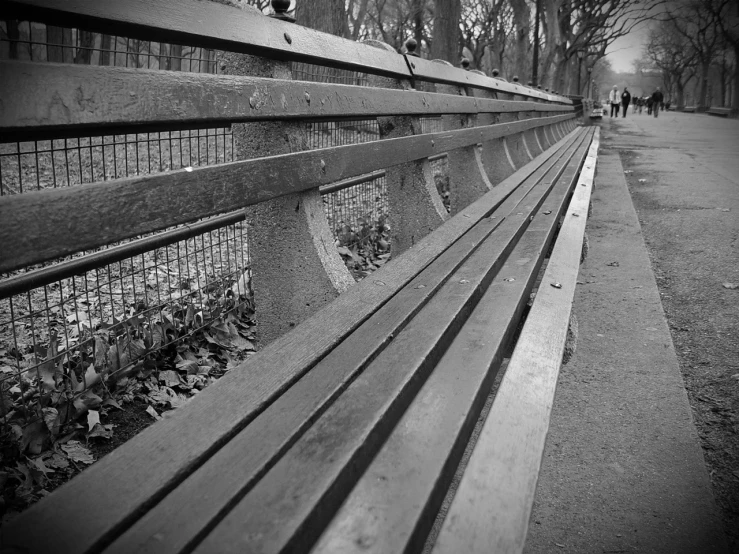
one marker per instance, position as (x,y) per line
(427,70)
(40,98)
(162,456)
(44,225)
(395,502)
(490,511)
(175,523)
(294,500)
(209,25)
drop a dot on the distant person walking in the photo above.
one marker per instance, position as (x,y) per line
(614,100)
(649,105)
(639,104)
(657,99)
(625,100)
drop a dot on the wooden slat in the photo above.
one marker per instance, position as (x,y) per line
(490,511)
(234,468)
(162,456)
(429,70)
(395,502)
(209,25)
(42,99)
(44,225)
(290,505)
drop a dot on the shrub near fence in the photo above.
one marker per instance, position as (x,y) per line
(172,308)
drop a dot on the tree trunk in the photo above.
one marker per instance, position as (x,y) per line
(522,26)
(105,49)
(735,96)
(13,37)
(54,44)
(703,86)
(175,57)
(446,39)
(418,24)
(84,51)
(328,16)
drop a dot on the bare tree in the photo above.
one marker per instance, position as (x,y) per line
(695,22)
(670,52)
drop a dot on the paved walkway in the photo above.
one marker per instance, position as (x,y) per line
(623,470)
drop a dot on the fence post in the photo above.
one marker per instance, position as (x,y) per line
(467,178)
(496,160)
(294,264)
(415,207)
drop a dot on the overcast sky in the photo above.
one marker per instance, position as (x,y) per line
(625,50)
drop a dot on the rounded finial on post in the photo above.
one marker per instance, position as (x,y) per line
(530,84)
(465,64)
(496,72)
(547,89)
(515,78)
(410,45)
(538,86)
(280,8)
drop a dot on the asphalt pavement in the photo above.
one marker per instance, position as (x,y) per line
(623,469)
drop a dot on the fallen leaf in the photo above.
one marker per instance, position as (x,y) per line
(102,431)
(34,436)
(78,453)
(93,418)
(556,285)
(153,413)
(731,286)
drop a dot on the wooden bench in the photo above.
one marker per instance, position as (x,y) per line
(351,431)
(724,112)
(689,109)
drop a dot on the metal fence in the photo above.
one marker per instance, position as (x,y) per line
(130,305)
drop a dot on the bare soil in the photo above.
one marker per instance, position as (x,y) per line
(693,248)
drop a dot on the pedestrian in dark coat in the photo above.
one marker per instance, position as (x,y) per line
(625,100)
(657,99)
(649,105)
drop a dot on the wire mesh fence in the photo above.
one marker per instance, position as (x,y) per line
(62,329)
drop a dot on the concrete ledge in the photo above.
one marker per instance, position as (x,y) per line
(623,470)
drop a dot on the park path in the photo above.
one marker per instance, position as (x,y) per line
(623,469)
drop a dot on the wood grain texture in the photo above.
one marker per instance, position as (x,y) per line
(394,503)
(209,25)
(176,523)
(291,504)
(162,456)
(42,100)
(44,225)
(228,475)
(428,70)
(490,511)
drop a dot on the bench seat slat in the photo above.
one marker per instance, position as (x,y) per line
(233,469)
(394,504)
(291,503)
(162,456)
(73,99)
(35,226)
(491,508)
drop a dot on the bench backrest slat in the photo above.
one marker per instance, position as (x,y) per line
(211,25)
(34,226)
(72,99)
